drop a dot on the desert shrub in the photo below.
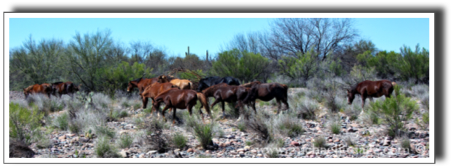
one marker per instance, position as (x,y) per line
(257,125)
(425,102)
(89,119)
(104,131)
(61,121)
(272,152)
(125,141)
(179,140)
(53,104)
(349,141)
(424,122)
(320,142)
(305,108)
(394,111)
(104,149)
(289,126)
(405,143)
(22,122)
(335,127)
(101,101)
(241,126)
(157,139)
(204,133)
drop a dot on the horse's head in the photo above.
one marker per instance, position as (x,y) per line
(26,93)
(162,79)
(130,87)
(78,87)
(351,96)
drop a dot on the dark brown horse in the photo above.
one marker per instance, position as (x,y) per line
(226,93)
(141,84)
(44,88)
(370,89)
(65,88)
(266,92)
(182,99)
(153,90)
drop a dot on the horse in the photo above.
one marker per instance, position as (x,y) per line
(182,99)
(249,84)
(210,81)
(44,88)
(266,92)
(141,84)
(226,93)
(153,90)
(180,83)
(370,89)
(65,88)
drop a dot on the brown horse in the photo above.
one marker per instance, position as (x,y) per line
(44,88)
(182,99)
(153,90)
(370,89)
(266,92)
(179,83)
(141,84)
(226,93)
(65,88)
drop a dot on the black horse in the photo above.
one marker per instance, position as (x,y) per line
(210,81)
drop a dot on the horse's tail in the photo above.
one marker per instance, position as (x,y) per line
(190,85)
(202,98)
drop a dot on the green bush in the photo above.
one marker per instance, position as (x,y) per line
(125,141)
(243,65)
(394,111)
(179,140)
(204,133)
(104,131)
(104,149)
(22,122)
(303,67)
(62,121)
(320,142)
(290,126)
(335,127)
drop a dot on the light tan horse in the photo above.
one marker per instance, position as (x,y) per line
(179,83)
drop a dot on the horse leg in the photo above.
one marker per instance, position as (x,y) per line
(163,111)
(145,102)
(174,115)
(363,103)
(279,105)
(217,100)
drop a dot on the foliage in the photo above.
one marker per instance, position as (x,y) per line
(414,64)
(23,122)
(303,67)
(384,62)
(105,131)
(62,121)
(320,142)
(394,111)
(115,77)
(243,65)
(125,141)
(179,140)
(104,149)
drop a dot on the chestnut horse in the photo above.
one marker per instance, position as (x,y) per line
(141,84)
(153,90)
(226,93)
(179,83)
(370,89)
(176,98)
(65,88)
(266,92)
(44,88)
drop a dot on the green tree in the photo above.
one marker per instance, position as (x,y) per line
(414,64)
(116,77)
(245,66)
(87,53)
(303,67)
(384,62)
(37,63)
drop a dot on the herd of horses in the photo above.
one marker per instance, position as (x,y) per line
(57,88)
(182,94)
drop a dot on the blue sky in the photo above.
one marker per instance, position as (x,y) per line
(201,34)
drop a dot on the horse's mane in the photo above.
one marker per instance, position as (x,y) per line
(138,80)
(57,83)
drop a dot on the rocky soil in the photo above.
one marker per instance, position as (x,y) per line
(369,143)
